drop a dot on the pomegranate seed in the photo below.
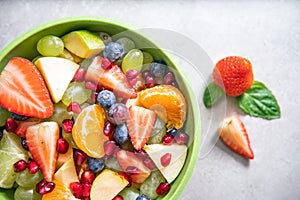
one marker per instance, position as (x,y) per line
(106,64)
(20,166)
(74,107)
(67,125)
(149,163)
(76,189)
(130,74)
(132,170)
(150,82)
(87,176)
(168,139)
(174,83)
(86,198)
(109,147)
(24,144)
(90,85)
(62,145)
(163,189)
(79,157)
(127,177)
(118,197)
(45,187)
(86,189)
(182,138)
(109,129)
(79,75)
(166,159)
(146,74)
(33,167)
(169,77)
(10,125)
(133,81)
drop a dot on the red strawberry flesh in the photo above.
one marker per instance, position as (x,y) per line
(23,90)
(233,132)
(140,125)
(42,143)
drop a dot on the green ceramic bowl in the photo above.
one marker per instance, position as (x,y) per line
(25,46)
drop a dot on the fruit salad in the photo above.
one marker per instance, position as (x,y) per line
(90,118)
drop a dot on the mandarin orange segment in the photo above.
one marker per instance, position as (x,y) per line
(61,192)
(168,102)
(67,173)
(87,131)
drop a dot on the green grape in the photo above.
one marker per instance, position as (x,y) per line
(25,179)
(129,193)
(158,132)
(4,114)
(22,193)
(69,138)
(147,58)
(127,44)
(113,164)
(50,45)
(76,92)
(133,60)
(149,186)
(60,113)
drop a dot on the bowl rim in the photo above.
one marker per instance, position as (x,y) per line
(194,101)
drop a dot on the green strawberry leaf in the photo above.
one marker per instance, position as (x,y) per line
(259,101)
(212,94)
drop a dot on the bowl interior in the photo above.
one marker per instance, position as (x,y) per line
(25,46)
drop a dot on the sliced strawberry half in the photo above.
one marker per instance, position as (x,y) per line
(111,78)
(42,141)
(23,90)
(128,160)
(140,125)
(233,132)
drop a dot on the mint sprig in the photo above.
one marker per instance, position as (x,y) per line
(212,94)
(259,101)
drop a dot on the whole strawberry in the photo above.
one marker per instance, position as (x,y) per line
(234,74)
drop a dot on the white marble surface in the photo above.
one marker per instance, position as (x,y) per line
(267,32)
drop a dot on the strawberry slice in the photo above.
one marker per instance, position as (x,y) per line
(42,141)
(129,161)
(23,90)
(233,132)
(111,78)
(23,125)
(140,125)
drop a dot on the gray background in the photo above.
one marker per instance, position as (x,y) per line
(267,32)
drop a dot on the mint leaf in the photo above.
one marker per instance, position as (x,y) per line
(259,101)
(212,94)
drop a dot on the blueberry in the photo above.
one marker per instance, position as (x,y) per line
(113,51)
(18,117)
(173,132)
(142,197)
(121,134)
(118,113)
(106,98)
(95,164)
(158,70)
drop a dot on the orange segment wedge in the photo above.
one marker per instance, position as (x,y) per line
(61,192)
(67,173)
(168,102)
(87,131)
